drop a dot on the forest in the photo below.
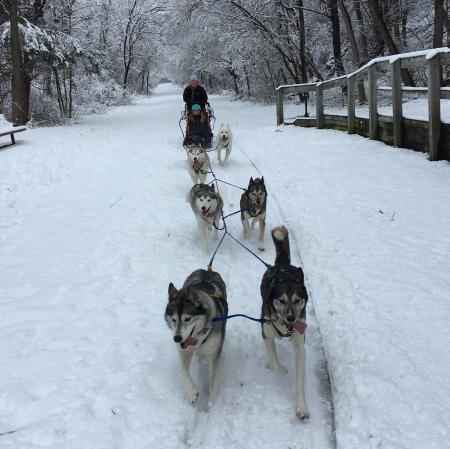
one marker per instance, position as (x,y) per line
(62,58)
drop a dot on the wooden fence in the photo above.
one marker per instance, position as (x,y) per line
(432,135)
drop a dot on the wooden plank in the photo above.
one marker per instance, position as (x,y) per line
(417,91)
(434,107)
(397,108)
(280,111)
(296,89)
(12,131)
(335,82)
(373,109)
(319,107)
(351,83)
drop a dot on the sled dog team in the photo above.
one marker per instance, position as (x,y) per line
(191,310)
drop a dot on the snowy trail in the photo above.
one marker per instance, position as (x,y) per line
(94,227)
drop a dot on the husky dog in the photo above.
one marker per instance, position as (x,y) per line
(284,299)
(197,162)
(207,206)
(253,206)
(189,314)
(224,141)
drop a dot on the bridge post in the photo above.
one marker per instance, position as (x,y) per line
(319,106)
(434,107)
(351,82)
(373,109)
(397,108)
(280,111)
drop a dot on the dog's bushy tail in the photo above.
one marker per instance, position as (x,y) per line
(280,238)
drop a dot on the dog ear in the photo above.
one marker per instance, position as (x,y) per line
(301,274)
(172,291)
(262,180)
(250,182)
(195,297)
(212,187)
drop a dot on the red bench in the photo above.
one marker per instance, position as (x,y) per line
(11,132)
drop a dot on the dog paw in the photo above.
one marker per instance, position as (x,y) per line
(277,369)
(261,247)
(192,394)
(302,414)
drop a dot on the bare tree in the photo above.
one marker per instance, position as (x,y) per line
(20,113)
(387,37)
(356,59)
(439,19)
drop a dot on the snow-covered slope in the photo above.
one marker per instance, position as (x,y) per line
(94,225)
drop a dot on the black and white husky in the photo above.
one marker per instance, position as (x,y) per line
(197,162)
(253,206)
(189,313)
(284,299)
(224,141)
(207,206)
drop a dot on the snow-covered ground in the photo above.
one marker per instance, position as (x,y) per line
(94,225)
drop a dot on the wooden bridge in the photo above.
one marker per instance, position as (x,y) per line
(430,135)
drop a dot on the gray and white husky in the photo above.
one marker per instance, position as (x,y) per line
(197,163)
(253,206)
(189,314)
(224,141)
(207,206)
(284,299)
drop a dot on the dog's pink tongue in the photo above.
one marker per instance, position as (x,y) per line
(190,341)
(300,327)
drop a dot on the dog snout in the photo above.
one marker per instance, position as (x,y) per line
(203,207)
(177,339)
(195,159)
(290,318)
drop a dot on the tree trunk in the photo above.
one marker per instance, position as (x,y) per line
(304,97)
(356,60)
(20,112)
(387,38)
(439,19)
(362,35)
(336,37)
(235,78)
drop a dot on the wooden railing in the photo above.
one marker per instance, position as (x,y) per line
(432,59)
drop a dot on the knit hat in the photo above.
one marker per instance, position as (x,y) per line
(196,107)
(193,77)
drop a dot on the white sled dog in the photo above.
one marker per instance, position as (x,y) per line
(189,313)
(284,299)
(224,141)
(197,162)
(207,206)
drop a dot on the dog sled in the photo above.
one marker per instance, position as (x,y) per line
(198,125)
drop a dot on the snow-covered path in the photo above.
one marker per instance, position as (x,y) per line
(94,226)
